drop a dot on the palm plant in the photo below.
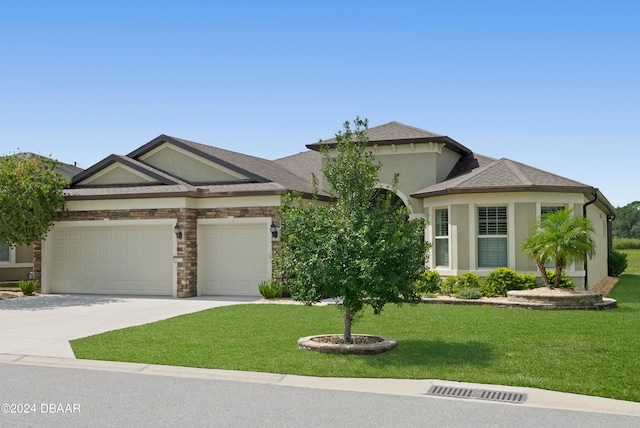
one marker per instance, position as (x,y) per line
(559,238)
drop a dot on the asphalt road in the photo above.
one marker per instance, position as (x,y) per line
(34,396)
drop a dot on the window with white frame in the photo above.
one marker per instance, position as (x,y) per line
(5,253)
(442,236)
(492,237)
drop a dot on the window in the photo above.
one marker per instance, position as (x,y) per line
(442,237)
(5,253)
(550,209)
(492,236)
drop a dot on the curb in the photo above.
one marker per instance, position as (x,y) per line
(406,387)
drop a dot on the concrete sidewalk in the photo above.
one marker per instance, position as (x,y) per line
(43,325)
(406,387)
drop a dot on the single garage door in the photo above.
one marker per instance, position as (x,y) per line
(234,258)
(112,260)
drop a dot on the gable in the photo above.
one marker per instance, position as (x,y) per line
(189,166)
(118,174)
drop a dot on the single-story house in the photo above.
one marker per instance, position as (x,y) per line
(16,263)
(179,218)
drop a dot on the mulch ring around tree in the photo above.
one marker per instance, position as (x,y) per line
(361,344)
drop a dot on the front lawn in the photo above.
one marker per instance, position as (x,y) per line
(585,352)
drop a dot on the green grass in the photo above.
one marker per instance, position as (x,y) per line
(585,352)
(633,261)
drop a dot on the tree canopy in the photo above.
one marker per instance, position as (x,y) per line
(31,193)
(361,248)
(627,222)
(560,238)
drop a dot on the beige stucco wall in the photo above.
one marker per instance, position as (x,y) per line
(117,174)
(187,166)
(598,267)
(526,215)
(24,254)
(523,209)
(418,165)
(459,236)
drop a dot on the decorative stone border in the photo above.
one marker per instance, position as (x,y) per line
(561,299)
(317,344)
(537,299)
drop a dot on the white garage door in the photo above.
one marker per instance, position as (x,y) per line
(112,260)
(234,258)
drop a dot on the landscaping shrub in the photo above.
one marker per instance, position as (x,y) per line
(449,286)
(527,281)
(270,289)
(626,244)
(429,282)
(452,284)
(469,280)
(28,287)
(499,281)
(469,293)
(564,281)
(617,263)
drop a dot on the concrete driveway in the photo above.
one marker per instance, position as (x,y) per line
(43,325)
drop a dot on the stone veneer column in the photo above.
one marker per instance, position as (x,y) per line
(37,263)
(188,250)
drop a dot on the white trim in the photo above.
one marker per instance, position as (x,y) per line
(236,220)
(473,236)
(109,222)
(176,202)
(412,148)
(12,257)
(511,236)
(405,200)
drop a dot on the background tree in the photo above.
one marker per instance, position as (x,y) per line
(627,222)
(559,238)
(362,248)
(31,193)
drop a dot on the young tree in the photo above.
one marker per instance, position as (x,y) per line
(559,238)
(361,248)
(31,193)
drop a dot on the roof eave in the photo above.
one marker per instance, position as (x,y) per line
(512,189)
(449,143)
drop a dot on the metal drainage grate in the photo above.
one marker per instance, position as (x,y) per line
(477,394)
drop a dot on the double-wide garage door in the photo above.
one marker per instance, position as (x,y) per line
(112,260)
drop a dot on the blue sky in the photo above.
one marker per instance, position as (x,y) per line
(553,84)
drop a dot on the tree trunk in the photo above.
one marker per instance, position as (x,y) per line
(558,276)
(347,325)
(543,272)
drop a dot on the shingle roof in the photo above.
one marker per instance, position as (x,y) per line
(266,176)
(399,133)
(67,170)
(504,175)
(303,164)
